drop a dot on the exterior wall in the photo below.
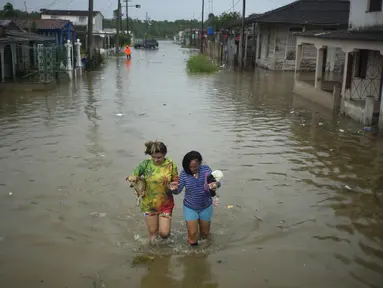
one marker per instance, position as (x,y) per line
(359,18)
(309,58)
(370,86)
(97,22)
(278,49)
(335,59)
(320,97)
(266,47)
(78,21)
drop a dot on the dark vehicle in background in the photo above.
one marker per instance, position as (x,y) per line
(146,44)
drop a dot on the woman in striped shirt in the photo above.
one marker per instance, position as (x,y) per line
(198,203)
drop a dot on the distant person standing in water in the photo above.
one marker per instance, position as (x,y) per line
(128,52)
(157,205)
(198,203)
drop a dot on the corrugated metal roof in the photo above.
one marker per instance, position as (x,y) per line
(44,24)
(9,25)
(69,12)
(25,36)
(366,35)
(5,23)
(306,12)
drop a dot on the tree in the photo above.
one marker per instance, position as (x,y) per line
(9,11)
(225,20)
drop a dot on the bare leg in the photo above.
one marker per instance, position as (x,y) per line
(152,223)
(204,229)
(164,226)
(192,227)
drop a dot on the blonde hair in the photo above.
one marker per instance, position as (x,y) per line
(155,147)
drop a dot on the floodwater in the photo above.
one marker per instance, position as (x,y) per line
(305,186)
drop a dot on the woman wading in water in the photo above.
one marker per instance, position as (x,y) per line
(198,203)
(158,203)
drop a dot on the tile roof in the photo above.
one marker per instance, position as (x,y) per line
(305,12)
(68,12)
(366,35)
(46,24)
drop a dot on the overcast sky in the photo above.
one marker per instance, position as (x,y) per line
(157,9)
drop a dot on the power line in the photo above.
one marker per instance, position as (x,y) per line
(54,2)
(233,6)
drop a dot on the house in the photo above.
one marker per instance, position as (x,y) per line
(276,42)
(61,30)
(19,53)
(358,90)
(79,19)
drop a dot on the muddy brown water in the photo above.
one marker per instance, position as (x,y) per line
(307,197)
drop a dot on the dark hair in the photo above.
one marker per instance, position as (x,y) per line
(192,155)
(155,147)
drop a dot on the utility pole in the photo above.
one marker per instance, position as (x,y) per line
(147,26)
(242,54)
(203,10)
(118,26)
(127,16)
(191,30)
(90,34)
(25,6)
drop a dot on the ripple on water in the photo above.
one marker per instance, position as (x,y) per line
(281,167)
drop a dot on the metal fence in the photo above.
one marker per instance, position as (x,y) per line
(38,63)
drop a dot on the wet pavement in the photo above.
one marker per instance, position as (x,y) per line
(305,186)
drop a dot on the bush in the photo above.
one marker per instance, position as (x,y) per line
(201,64)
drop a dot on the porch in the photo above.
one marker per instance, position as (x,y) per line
(356,89)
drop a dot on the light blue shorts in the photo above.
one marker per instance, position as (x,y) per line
(205,214)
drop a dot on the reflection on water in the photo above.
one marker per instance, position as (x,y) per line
(307,196)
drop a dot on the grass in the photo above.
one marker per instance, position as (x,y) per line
(201,64)
(187,46)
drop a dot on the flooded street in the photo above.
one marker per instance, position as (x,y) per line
(305,186)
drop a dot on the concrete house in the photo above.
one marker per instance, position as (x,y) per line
(276,42)
(79,19)
(61,30)
(18,51)
(357,91)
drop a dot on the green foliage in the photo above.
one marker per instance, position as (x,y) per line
(201,64)
(10,13)
(223,21)
(152,28)
(125,39)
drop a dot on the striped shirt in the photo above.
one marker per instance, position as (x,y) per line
(196,196)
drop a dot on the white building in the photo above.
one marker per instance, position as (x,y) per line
(79,19)
(276,29)
(357,91)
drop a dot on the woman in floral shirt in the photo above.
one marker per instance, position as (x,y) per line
(159,171)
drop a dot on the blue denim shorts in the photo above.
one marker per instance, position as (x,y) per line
(205,214)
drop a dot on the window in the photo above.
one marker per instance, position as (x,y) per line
(374,5)
(361,64)
(296,29)
(82,19)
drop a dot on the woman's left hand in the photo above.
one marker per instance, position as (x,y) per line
(213,186)
(173,186)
